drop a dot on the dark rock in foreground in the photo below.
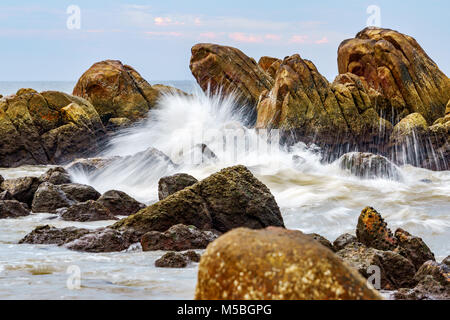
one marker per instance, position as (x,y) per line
(12,209)
(86,211)
(178,238)
(275,264)
(119,203)
(171,184)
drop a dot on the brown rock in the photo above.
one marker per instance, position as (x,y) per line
(51,235)
(269,65)
(373,232)
(171,184)
(86,211)
(22,189)
(79,192)
(172,260)
(101,240)
(273,264)
(178,238)
(56,176)
(12,209)
(48,198)
(322,240)
(116,91)
(119,203)
(228,71)
(6,195)
(413,248)
(343,240)
(394,65)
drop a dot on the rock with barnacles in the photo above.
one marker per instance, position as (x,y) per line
(275,264)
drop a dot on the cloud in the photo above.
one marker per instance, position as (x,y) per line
(166,21)
(322,41)
(297,38)
(248,38)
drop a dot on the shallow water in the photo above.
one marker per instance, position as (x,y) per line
(312,196)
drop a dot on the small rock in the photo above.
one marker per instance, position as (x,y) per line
(86,211)
(446,261)
(48,198)
(119,203)
(171,184)
(6,195)
(323,241)
(80,192)
(56,176)
(193,256)
(177,260)
(373,232)
(101,240)
(413,248)
(343,240)
(12,209)
(178,238)
(51,235)
(22,189)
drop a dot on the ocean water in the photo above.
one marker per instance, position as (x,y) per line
(11,87)
(312,196)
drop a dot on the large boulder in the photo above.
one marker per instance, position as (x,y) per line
(171,184)
(273,264)
(227,70)
(369,166)
(48,127)
(116,91)
(22,189)
(395,66)
(48,198)
(119,203)
(12,209)
(228,199)
(395,270)
(178,238)
(269,65)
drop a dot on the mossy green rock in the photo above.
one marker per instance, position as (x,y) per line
(228,199)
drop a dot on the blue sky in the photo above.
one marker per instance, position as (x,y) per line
(155,37)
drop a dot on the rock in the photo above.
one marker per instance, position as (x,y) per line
(101,240)
(51,235)
(86,211)
(227,70)
(322,240)
(203,154)
(80,192)
(171,184)
(119,203)
(394,65)
(22,189)
(90,165)
(168,90)
(177,260)
(269,65)
(343,240)
(46,128)
(275,264)
(373,232)
(116,91)
(413,248)
(228,199)
(56,176)
(1,181)
(446,261)
(48,198)
(178,238)
(6,195)
(369,166)
(115,124)
(306,107)
(395,270)
(434,283)
(12,209)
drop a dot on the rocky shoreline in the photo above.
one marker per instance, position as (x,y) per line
(388,99)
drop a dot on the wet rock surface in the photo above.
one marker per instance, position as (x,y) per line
(50,235)
(86,211)
(343,240)
(275,263)
(178,238)
(119,203)
(369,166)
(49,198)
(373,232)
(177,259)
(56,176)
(171,184)
(12,209)
(101,240)
(22,189)
(80,192)
(413,248)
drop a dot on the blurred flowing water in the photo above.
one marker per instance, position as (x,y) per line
(313,197)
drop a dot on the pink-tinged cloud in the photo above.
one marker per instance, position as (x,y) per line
(197,21)
(272,37)
(165,21)
(321,41)
(208,35)
(297,38)
(168,34)
(248,38)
